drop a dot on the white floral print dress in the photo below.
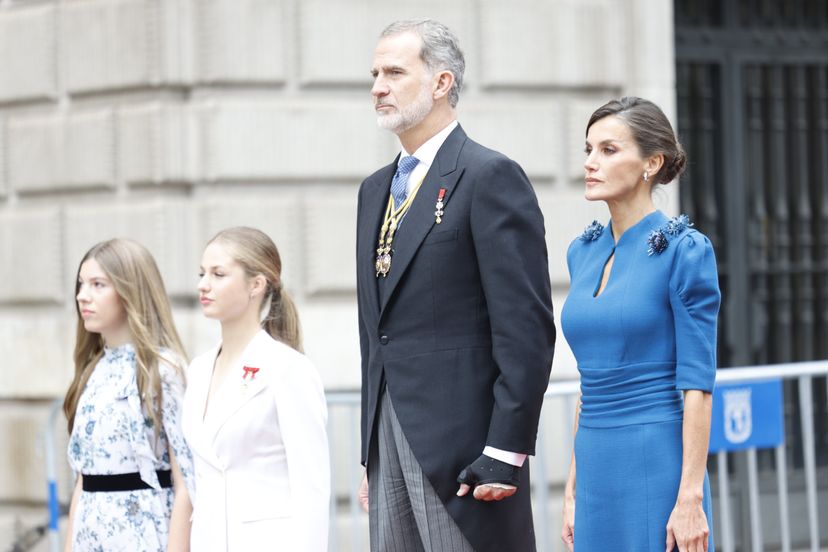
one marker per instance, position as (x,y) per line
(112,435)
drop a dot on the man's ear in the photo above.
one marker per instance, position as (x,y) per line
(443,82)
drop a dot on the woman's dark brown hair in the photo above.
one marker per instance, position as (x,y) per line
(651,131)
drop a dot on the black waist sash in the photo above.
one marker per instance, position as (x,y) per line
(123,482)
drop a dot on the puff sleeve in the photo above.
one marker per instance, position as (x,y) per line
(694,299)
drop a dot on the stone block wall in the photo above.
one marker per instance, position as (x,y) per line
(167,120)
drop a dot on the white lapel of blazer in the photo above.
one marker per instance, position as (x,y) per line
(238,389)
(199,376)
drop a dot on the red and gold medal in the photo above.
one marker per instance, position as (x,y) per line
(438,207)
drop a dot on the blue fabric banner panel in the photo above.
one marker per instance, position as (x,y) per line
(747,415)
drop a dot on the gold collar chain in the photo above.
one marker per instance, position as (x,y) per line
(392,220)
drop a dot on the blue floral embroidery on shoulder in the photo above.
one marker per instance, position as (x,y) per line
(592,232)
(657,241)
(676,225)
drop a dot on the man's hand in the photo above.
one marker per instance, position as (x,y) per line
(491,479)
(362,493)
(488,492)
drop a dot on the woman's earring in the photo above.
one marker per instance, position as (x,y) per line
(646,176)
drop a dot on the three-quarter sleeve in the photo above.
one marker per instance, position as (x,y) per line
(695,299)
(172,399)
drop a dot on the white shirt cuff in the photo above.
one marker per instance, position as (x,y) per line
(513,458)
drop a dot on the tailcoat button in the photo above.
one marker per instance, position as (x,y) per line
(384,339)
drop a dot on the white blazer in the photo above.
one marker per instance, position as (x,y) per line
(261,454)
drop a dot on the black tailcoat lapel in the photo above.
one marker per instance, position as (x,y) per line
(375,198)
(420,218)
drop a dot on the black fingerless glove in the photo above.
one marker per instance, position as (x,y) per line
(486,470)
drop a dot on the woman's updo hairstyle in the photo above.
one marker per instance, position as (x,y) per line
(651,131)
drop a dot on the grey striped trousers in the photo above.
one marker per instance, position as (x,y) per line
(405,513)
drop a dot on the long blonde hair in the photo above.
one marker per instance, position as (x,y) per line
(137,281)
(257,254)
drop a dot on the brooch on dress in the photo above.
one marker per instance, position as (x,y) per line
(592,232)
(657,241)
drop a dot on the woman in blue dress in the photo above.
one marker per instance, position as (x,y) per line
(640,318)
(124,409)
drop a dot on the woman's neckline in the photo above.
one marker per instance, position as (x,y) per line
(634,227)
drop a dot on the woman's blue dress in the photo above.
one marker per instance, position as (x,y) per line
(648,336)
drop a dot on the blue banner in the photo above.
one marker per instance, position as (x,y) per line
(747,415)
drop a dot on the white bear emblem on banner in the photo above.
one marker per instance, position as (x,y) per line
(738,423)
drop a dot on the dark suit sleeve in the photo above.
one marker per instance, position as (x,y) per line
(508,233)
(363,348)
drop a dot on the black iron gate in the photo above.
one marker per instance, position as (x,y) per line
(752,91)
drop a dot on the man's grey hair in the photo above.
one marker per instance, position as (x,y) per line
(440,52)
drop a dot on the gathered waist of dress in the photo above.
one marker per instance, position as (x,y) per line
(640,393)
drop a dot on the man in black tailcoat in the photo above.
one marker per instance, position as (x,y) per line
(455,316)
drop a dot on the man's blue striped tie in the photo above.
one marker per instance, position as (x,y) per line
(400,181)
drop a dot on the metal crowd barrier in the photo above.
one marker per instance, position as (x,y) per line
(804,373)
(349,523)
(546,489)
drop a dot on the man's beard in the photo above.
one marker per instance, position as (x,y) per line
(402,119)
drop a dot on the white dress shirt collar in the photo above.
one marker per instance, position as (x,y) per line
(426,153)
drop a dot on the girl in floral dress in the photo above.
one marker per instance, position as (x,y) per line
(124,407)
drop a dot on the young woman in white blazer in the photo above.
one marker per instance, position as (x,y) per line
(254,410)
